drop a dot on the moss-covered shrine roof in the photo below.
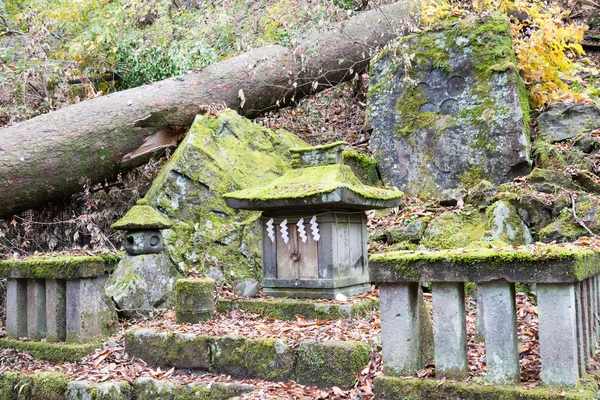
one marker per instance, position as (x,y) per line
(142,216)
(536,263)
(61,267)
(321,186)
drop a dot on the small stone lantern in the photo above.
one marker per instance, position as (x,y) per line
(143,224)
(314,226)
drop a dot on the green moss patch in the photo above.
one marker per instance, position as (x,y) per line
(313,181)
(41,386)
(142,216)
(287,310)
(62,267)
(389,388)
(53,352)
(530,264)
(364,167)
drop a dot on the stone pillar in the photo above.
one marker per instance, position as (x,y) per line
(16,307)
(500,330)
(450,330)
(581,354)
(558,335)
(400,328)
(36,308)
(90,314)
(56,310)
(479,336)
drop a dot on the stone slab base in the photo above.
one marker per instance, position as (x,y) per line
(391,388)
(53,352)
(287,309)
(316,293)
(55,386)
(326,364)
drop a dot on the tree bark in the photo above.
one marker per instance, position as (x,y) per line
(52,155)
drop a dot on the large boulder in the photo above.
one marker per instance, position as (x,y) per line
(573,219)
(218,155)
(449,109)
(142,283)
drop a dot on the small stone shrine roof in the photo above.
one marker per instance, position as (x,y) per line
(142,216)
(322,186)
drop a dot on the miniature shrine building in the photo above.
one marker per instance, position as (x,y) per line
(314,226)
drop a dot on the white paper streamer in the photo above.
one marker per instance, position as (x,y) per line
(301,230)
(284,231)
(271,230)
(314,228)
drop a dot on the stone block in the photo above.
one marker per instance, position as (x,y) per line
(142,283)
(16,307)
(270,359)
(90,313)
(500,330)
(557,333)
(56,310)
(36,308)
(450,330)
(448,118)
(400,326)
(331,363)
(194,300)
(562,121)
(85,390)
(148,345)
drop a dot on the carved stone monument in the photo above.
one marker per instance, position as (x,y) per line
(448,109)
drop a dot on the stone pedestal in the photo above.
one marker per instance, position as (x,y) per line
(500,330)
(36,308)
(400,326)
(450,330)
(56,310)
(558,336)
(16,307)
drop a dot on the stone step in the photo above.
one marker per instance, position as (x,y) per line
(287,309)
(55,386)
(325,364)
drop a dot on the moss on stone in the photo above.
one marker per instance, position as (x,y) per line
(363,166)
(323,147)
(270,359)
(331,363)
(53,352)
(455,230)
(61,267)
(568,263)
(284,309)
(313,181)
(38,386)
(390,388)
(142,216)
(194,299)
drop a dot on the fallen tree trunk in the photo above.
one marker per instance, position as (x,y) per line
(51,156)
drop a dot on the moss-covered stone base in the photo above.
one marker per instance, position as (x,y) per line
(326,364)
(53,352)
(194,299)
(389,388)
(285,309)
(55,386)
(331,363)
